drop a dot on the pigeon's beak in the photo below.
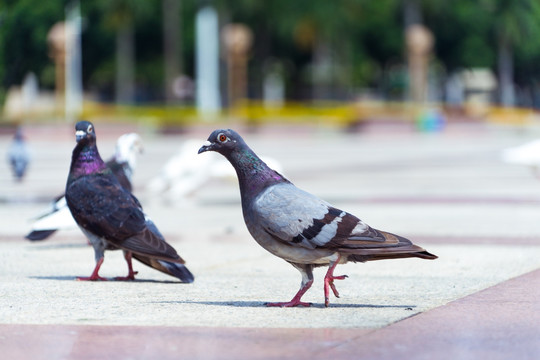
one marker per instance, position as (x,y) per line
(207,146)
(79,135)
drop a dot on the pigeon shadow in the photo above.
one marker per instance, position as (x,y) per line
(58,246)
(364,306)
(216,303)
(73,278)
(112,280)
(263,304)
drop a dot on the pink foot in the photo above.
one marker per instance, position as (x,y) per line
(291,303)
(91,278)
(329,281)
(131,274)
(296,299)
(129,277)
(95,274)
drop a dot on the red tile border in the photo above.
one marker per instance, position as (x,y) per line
(152,342)
(501,322)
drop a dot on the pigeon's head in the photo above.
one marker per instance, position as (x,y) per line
(84,131)
(222,141)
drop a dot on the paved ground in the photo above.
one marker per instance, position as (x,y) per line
(448,192)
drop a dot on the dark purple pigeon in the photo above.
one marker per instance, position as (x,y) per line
(111,217)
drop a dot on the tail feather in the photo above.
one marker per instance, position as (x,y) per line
(37,235)
(177,270)
(426,255)
(385,256)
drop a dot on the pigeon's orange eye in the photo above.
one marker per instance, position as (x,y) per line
(222,137)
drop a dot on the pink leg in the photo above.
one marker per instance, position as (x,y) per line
(131,274)
(296,299)
(329,282)
(95,276)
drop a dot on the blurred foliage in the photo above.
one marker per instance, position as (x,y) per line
(24,25)
(362,40)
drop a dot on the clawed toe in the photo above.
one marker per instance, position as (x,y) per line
(129,277)
(91,278)
(289,304)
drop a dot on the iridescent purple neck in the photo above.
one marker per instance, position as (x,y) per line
(253,174)
(87,161)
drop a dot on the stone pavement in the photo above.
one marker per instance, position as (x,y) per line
(448,192)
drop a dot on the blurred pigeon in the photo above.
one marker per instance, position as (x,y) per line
(111,217)
(56,218)
(18,155)
(122,164)
(185,172)
(527,154)
(297,226)
(124,161)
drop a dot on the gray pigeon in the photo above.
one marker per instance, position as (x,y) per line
(18,155)
(299,227)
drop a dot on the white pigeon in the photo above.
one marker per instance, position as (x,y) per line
(527,154)
(185,172)
(122,164)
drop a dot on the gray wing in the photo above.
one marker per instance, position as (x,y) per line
(301,219)
(298,217)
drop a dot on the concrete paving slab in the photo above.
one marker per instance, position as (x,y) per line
(234,280)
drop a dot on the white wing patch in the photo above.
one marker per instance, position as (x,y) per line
(328,231)
(360,228)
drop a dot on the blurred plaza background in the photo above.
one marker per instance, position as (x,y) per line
(387,67)
(346,62)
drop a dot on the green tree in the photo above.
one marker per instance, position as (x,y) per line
(121,17)
(488,33)
(516,23)
(339,45)
(24,25)
(348,39)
